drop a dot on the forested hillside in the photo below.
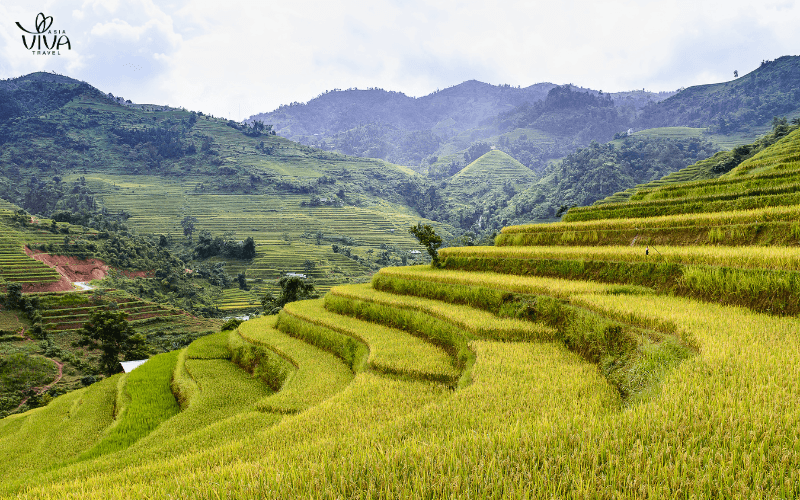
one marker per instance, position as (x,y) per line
(739,105)
(88,153)
(455,109)
(545,122)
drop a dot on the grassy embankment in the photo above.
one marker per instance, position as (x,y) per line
(496,374)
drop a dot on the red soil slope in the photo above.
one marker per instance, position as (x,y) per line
(71,270)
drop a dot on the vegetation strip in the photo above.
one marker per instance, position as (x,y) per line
(318,376)
(764,290)
(763,215)
(149,403)
(473,323)
(773,257)
(785,195)
(391,350)
(624,354)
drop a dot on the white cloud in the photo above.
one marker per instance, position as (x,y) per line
(240,57)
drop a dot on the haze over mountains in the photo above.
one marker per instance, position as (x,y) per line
(48,130)
(389,125)
(392,126)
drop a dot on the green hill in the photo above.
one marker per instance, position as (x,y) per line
(741,104)
(654,356)
(492,179)
(494,168)
(741,160)
(69,148)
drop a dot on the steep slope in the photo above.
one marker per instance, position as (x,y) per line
(36,94)
(749,101)
(533,368)
(492,178)
(589,173)
(91,152)
(722,164)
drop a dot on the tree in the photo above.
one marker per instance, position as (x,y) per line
(242,279)
(188,223)
(249,248)
(293,288)
(14,295)
(428,237)
(110,333)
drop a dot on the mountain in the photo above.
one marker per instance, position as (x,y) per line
(586,175)
(537,124)
(739,105)
(461,107)
(37,93)
(390,125)
(68,149)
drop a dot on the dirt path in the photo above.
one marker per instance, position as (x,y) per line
(46,388)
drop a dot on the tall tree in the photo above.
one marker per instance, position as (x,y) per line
(110,333)
(428,237)
(293,288)
(188,223)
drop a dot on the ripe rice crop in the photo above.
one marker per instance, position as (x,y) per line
(536,422)
(766,289)
(318,374)
(780,258)
(520,284)
(31,443)
(631,358)
(391,350)
(223,390)
(719,185)
(762,215)
(214,346)
(472,322)
(182,384)
(272,367)
(349,349)
(772,196)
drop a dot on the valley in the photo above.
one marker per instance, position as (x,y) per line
(614,315)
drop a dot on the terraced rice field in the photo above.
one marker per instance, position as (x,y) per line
(69,312)
(519,371)
(16,266)
(263,217)
(768,179)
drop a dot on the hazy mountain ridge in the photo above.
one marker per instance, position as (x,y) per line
(426,131)
(734,106)
(390,125)
(337,111)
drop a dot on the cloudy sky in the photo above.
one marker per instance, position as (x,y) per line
(235,58)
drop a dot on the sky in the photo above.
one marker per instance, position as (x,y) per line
(236,58)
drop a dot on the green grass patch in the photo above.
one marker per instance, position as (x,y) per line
(149,403)
(214,346)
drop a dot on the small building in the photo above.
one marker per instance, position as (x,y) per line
(129,366)
(296,275)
